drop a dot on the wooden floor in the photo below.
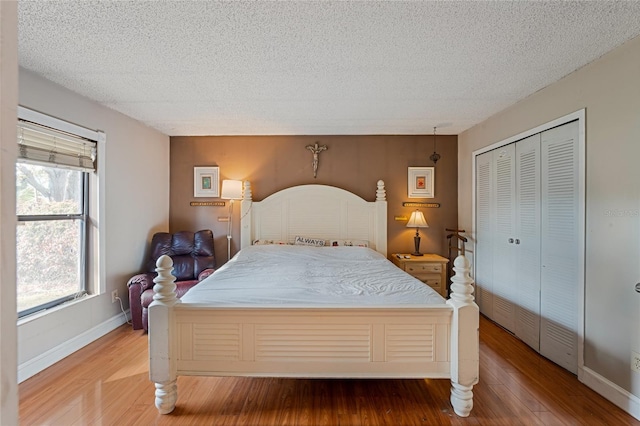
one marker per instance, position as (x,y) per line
(107,383)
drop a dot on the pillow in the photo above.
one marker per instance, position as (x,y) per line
(268,242)
(349,243)
(304,241)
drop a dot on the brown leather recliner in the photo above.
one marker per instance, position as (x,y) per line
(193,260)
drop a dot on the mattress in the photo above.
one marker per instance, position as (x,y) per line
(303,277)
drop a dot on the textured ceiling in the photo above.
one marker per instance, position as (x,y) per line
(324,67)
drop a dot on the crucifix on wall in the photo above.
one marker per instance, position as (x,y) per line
(316,149)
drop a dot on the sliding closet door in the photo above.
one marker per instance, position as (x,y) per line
(527,240)
(503,223)
(484,233)
(560,245)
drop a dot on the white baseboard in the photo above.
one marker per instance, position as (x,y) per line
(614,393)
(35,365)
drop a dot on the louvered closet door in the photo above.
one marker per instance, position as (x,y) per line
(527,241)
(560,242)
(504,283)
(484,234)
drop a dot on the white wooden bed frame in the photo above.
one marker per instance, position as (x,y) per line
(344,342)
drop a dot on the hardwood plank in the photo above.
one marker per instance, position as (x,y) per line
(520,411)
(107,383)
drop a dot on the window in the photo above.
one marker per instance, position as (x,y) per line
(52,202)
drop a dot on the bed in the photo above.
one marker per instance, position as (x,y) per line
(267,325)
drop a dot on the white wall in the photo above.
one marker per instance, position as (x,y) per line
(8,149)
(609,89)
(134,193)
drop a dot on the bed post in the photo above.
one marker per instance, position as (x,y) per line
(162,363)
(381,217)
(464,338)
(246,233)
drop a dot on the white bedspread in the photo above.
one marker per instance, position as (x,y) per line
(302,276)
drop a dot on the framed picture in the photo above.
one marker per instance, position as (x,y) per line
(421,182)
(206,181)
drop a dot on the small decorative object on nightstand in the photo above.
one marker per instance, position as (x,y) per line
(417,220)
(431,269)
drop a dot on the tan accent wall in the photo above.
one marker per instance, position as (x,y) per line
(609,90)
(354,163)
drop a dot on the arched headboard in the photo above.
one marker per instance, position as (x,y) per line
(315,211)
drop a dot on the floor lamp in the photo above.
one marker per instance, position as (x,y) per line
(231,190)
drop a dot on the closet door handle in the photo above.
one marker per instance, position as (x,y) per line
(517,241)
(510,240)
(638,287)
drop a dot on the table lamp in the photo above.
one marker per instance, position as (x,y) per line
(417,220)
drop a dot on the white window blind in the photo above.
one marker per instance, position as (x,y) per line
(43,145)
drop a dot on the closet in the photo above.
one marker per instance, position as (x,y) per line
(527,240)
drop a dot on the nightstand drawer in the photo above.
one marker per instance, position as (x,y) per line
(432,281)
(423,268)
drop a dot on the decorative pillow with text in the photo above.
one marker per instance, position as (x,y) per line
(304,241)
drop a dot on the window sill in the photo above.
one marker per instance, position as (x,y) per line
(40,314)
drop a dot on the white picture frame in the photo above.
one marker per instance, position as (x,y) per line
(421,182)
(206,181)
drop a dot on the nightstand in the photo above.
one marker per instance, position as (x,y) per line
(431,269)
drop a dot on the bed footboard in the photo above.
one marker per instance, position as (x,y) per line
(429,342)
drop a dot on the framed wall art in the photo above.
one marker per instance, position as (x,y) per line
(421,182)
(206,181)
